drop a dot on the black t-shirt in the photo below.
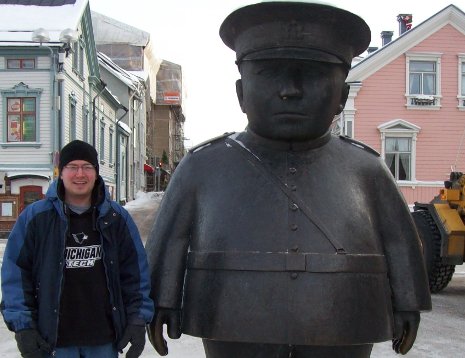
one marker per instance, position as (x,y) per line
(85,312)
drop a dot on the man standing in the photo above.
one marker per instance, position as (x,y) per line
(284,240)
(74,273)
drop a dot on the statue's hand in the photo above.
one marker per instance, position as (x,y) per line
(405,330)
(172,319)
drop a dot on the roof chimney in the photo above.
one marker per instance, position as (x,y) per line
(371,49)
(386,37)
(405,22)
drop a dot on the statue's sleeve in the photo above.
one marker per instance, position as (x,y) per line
(168,241)
(402,247)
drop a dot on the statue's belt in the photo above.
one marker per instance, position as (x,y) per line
(284,262)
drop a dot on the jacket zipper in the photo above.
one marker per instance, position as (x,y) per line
(62,279)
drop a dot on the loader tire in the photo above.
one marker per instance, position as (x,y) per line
(439,274)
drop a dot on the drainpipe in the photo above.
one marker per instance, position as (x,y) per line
(117,153)
(94,114)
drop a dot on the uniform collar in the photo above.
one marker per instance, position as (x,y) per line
(296,146)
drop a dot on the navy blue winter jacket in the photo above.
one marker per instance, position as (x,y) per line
(32,269)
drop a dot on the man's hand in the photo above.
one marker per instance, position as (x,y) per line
(405,330)
(136,335)
(31,344)
(170,317)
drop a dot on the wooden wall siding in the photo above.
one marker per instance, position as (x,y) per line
(24,155)
(382,99)
(419,194)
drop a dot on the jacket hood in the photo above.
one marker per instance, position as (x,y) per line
(100,194)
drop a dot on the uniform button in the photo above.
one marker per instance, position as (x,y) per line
(294,227)
(294,207)
(294,275)
(114,214)
(114,308)
(292,170)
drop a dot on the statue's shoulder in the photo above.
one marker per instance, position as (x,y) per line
(359,144)
(209,142)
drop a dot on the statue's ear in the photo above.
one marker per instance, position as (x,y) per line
(240,94)
(344,94)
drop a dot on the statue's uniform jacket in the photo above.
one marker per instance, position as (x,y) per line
(244,263)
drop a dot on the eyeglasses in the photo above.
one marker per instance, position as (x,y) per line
(86,168)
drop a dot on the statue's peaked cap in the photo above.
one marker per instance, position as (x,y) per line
(300,30)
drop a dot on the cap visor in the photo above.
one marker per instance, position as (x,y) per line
(292,53)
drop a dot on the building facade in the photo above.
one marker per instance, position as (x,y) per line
(407,101)
(50,93)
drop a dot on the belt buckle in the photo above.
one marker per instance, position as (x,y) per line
(295,262)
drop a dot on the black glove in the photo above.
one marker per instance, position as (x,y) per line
(31,344)
(135,335)
(405,330)
(172,319)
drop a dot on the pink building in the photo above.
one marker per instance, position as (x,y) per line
(407,101)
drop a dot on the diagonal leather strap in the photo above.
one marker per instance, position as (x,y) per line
(257,164)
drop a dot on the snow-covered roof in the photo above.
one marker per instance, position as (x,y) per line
(125,127)
(111,31)
(449,15)
(18,22)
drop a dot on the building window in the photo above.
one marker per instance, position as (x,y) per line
(102,141)
(21,110)
(72,117)
(110,139)
(20,64)
(461,87)
(423,80)
(462,79)
(85,123)
(81,59)
(398,157)
(78,58)
(21,118)
(398,148)
(422,77)
(75,56)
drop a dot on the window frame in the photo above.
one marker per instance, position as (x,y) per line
(399,128)
(72,116)
(461,82)
(422,101)
(102,141)
(110,139)
(397,157)
(21,62)
(21,90)
(85,122)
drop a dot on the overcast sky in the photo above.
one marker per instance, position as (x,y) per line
(186,32)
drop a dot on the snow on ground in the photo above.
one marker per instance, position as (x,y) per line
(144,200)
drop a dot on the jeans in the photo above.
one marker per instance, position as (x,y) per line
(103,351)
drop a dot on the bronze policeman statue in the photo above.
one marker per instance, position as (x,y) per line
(284,240)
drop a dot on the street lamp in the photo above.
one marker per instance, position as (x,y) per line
(40,35)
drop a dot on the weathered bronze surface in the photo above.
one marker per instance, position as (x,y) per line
(284,235)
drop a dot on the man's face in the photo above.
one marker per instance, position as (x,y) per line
(291,99)
(79,178)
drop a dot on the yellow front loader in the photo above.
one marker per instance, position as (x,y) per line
(441,226)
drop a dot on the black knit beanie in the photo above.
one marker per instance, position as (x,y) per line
(78,150)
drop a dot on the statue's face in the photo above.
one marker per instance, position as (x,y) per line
(291,99)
